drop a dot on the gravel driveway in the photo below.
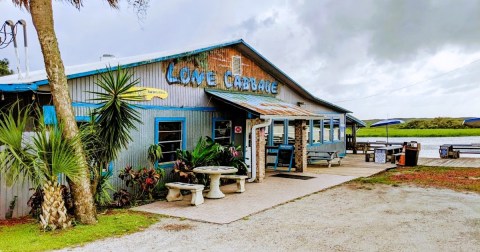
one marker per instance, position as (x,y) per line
(344,218)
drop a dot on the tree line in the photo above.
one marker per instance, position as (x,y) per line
(435,123)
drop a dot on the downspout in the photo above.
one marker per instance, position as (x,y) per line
(254,147)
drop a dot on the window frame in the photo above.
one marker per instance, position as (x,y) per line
(220,119)
(183,131)
(285,132)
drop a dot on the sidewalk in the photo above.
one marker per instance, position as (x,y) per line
(261,196)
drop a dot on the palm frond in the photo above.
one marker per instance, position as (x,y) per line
(116,115)
(16,156)
(55,153)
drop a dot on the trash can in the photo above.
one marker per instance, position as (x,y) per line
(380,156)
(412,149)
(446,151)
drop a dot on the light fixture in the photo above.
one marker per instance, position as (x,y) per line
(300,103)
(3,97)
(33,97)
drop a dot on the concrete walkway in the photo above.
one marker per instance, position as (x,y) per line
(261,196)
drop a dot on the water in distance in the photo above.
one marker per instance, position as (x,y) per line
(429,145)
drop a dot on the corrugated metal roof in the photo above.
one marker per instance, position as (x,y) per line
(11,83)
(353,119)
(262,105)
(39,77)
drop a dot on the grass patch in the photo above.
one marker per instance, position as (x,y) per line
(395,132)
(459,179)
(29,237)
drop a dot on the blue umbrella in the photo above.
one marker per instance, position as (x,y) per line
(472,122)
(386,123)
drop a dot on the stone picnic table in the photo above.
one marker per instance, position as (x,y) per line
(215,172)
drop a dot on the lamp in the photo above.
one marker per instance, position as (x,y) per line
(300,103)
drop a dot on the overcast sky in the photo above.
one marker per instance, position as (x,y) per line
(378,59)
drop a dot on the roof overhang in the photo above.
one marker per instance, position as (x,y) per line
(353,120)
(266,107)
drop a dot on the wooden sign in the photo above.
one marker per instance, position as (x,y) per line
(284,156)
(146,93)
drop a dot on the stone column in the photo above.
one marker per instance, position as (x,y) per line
(260,151)
(260,155)
(300,145)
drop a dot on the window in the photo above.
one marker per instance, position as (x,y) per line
(222,131)
(336,130)
(236,65)
(170,135)
(291,132)
(316,131)
(278,132)
(326,131)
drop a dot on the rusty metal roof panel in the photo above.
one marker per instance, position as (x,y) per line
(260,104)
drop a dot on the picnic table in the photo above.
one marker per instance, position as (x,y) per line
(366,147)
(454,150)
(215,172)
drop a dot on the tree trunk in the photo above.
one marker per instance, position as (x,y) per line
(42,16)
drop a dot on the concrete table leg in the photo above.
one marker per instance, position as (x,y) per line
(240,185)
(215,192)
(197,197)
(174,195)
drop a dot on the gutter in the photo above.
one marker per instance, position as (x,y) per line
(254,147)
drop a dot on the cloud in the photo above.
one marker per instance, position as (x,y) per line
(372,57)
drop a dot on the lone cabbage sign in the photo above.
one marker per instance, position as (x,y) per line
(196,78)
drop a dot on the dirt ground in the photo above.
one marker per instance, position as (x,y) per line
(344,218)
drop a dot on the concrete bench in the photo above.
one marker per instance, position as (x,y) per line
(240,179)
(174,193)
(314,155)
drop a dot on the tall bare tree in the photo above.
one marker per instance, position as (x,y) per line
(42,17)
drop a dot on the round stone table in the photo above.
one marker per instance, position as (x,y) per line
(214,172)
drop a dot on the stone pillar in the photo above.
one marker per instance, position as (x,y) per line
(260,155)
(300,145)
(260,151)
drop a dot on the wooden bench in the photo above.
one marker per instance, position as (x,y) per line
(240,179)
(323,155)
(174,193)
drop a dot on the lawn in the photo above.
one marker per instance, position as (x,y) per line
(395,132)
(29,237)
(459,179)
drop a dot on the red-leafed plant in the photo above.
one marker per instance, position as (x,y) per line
(142,183)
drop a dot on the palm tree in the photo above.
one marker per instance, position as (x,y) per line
(39,159)
(42,17)
(108,131)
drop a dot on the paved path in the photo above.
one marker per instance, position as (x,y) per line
(257,197)
(261,196)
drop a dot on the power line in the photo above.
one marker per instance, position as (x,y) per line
(414,84)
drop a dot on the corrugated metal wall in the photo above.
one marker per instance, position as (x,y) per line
(7,194)
(198,123)
(19,189)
